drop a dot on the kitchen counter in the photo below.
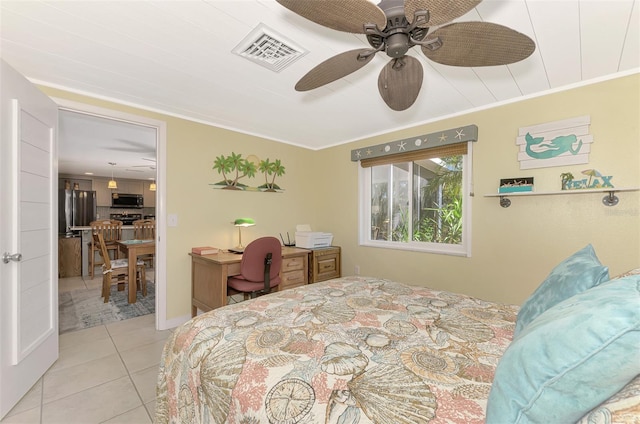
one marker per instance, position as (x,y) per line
(87,228)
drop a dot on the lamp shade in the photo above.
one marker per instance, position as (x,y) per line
(241,222)
(152,186)
(244,222)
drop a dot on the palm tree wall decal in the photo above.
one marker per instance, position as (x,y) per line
(271,168)
(227,165)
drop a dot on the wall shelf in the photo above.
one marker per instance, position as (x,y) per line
(609,200)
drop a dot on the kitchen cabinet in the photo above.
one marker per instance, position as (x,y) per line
(69,257)
(74,183)
(149,196)
(103,194)
(129,186)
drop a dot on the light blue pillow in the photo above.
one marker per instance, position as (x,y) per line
(577,273)
(571,358)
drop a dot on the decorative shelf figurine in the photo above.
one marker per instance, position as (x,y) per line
(595,180)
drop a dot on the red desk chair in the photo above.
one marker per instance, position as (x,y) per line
(259,268)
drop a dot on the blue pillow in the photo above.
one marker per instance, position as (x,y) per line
(577,273)
(571,358)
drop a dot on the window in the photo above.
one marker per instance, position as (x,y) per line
(420,203)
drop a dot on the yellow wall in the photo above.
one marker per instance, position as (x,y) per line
(513,249)
(205,214)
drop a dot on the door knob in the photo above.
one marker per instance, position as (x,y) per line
(16,257)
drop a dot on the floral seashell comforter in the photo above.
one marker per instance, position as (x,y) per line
(353,350)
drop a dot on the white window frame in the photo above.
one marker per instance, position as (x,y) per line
(463,249)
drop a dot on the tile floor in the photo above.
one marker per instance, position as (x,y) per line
(104,374)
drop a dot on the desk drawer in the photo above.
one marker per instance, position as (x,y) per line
(292,279)
(327,265)
(292,264)
(233,269)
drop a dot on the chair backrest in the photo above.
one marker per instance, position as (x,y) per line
(253,259)
(111,229)
(144,229)
(98,240)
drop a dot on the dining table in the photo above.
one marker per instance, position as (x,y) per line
(132,249)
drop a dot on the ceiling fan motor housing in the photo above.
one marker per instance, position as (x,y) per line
(396,35)
(397,45)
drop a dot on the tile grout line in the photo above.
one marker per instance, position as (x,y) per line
(41,381)
(129,375)
(43,403)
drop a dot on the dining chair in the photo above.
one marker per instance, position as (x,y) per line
(117,271)
(145,229)
(111,231)
(259,268)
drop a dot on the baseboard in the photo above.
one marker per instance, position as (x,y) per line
(173,322)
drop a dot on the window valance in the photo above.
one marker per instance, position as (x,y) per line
(443,143)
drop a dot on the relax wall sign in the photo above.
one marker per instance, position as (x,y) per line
(593,179)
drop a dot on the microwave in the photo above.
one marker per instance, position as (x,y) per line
(124,200)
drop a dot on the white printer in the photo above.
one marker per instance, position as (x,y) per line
(308,239)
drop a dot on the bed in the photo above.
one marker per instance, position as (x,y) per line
(367,350)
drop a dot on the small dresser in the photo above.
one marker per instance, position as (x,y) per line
(324,264)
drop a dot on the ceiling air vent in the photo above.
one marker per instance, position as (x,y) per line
(266,47)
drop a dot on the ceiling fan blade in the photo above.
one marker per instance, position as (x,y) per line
(479,44)
(400,81)
(333,69)
(440,11)
(341,15)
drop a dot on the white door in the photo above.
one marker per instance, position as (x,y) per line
(28,236)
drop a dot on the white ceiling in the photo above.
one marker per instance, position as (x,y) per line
(89,143)
(176,57)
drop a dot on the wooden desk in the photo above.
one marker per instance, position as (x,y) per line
(209,276)
(132,249)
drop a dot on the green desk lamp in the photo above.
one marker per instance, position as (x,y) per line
(241,222)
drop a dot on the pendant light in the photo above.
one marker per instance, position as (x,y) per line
(112,182)
(152,186)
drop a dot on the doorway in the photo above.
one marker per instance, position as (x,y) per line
(122,118)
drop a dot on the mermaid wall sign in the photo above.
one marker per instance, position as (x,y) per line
(557,143)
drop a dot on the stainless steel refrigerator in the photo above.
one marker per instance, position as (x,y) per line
(76,208)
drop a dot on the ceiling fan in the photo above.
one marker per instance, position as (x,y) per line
(395,26)
(151,167)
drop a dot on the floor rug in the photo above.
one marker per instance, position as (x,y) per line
(85,308)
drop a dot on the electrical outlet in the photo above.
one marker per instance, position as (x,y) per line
(173,220)
(356,270)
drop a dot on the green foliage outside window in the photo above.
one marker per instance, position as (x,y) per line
(436,190)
